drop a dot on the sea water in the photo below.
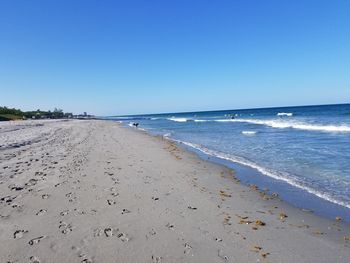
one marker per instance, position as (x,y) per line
(301,152)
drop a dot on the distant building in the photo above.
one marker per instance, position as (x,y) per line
(83,116)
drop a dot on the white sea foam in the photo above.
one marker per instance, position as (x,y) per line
(167,135)
(177,119)
(132,124)
(277,123)
(249,132)
(123,118)
(268,172)
(295,125)
(288,114)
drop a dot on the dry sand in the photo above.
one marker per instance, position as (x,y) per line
(92,191)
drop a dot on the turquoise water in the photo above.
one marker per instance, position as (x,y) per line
(302,151)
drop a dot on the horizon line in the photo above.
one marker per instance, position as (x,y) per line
(257,108)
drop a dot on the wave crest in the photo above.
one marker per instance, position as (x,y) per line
(177,119)
(295,125)
(288,114)
(248,132)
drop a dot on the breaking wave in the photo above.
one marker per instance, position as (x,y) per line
(177,119)
(295,125)
(288,114)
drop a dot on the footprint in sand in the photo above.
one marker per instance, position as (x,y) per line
(19,207)
(218,239)
(78,211)
(152,232)
(98,232)
(65,228)
(45,196)
(41,212)
(82,255)
(71,197)
(125,211)
(222,256)
(156,259)
(31,182)
(16,188)
(170,226)
(123,237)
(36,240)
(114,194)
(187,248)
(115,180)
(111,202)
(65,212)
(86,260)
(19,234)
(4,216)
(34,259)
(7,199)
(108,232)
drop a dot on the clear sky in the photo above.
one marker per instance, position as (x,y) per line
(128,57)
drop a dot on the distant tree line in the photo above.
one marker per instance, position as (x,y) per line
(13,114)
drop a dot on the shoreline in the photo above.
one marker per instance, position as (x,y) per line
(259,193)
(289,193)
(257,182)
(112,193)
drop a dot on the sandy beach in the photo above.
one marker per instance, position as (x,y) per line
(93,191)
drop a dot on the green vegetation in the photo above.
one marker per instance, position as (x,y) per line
(7,114)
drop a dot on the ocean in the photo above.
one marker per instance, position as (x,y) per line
(302,153)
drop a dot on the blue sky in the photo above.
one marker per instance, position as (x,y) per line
(128,57)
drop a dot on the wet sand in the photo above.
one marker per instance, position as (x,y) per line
(93,191)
